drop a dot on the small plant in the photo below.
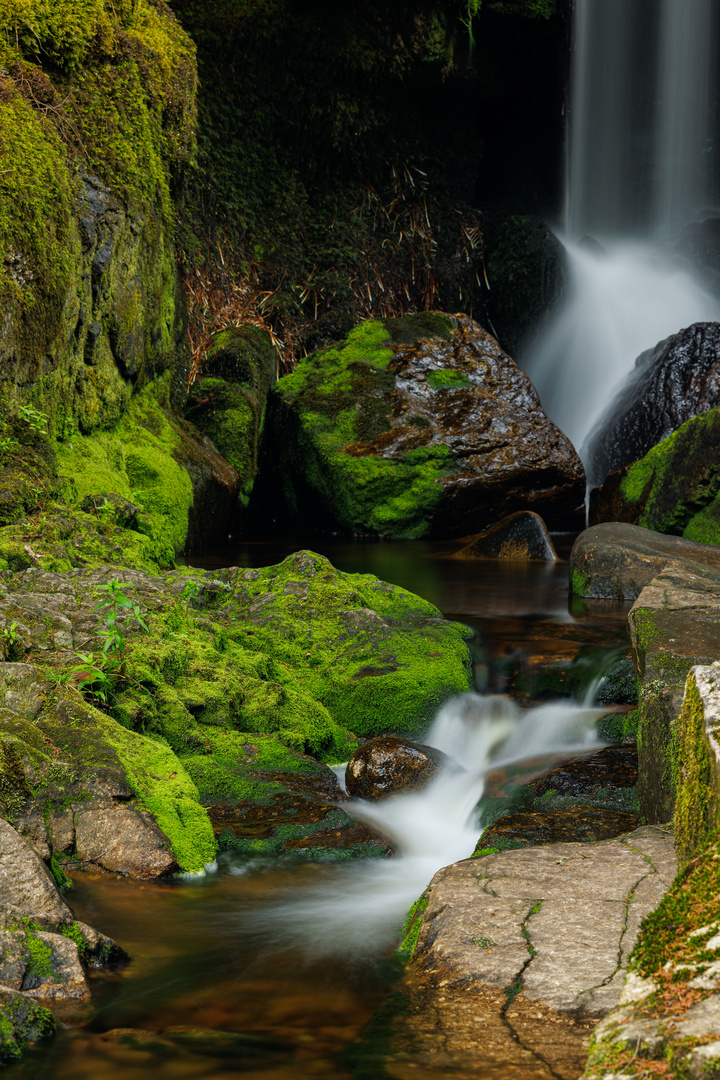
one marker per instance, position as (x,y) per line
(191,593)
(113,606)
(37,421)
(90,677)
(11,641)
(7,443)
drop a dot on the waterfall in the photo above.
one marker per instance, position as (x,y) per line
(358,910)
(640,167)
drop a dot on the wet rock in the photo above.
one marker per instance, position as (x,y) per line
(54,972)
(677,380)
(578,823)
(215,485)
(522,535)
(534,942)
(614,561)
(389,765)
(612,767)
(420,426)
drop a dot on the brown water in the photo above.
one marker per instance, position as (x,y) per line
(206,994)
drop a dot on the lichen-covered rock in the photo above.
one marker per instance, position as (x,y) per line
(522,535)
(420,426)
(672,383)
(388,765)
(674,488)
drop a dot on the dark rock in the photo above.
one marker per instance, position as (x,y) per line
(612,767)
(519,536)
(389,765)
(120,510)
(577,823)
(615,561)
(675,381)
(436,437)
(215,484)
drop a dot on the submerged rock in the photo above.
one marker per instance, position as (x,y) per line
(527,828)
(390,765)
(522,535)
(677,380)
(420,426)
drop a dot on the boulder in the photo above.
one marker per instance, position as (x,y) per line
(25,883)
(522,535)
(615,561)
(22,1021)
(513,956)
(390,765)
(678,379)
(675,488)
(420,426)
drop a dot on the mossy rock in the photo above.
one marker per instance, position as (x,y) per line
(22,1021)
(393,434)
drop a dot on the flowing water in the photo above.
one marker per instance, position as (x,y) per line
(271,968)
(642,165)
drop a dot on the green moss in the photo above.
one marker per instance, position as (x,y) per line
(135,460)
(163,786)
(22,1021)
(411,929)
(579,583)
(693,777)
(447,378)
(40,955)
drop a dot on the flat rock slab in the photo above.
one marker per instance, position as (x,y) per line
(615,561)
(534,942)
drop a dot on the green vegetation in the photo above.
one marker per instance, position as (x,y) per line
(411,930)
(22,1021)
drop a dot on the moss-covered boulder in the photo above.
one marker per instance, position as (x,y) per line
(416,427)
(135,494)
(228,402)
(674,488)
(239,676)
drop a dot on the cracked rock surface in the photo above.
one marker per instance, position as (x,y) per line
(521,952)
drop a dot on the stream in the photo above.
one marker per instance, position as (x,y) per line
(272,968)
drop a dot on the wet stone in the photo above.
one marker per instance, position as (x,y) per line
(388,765)
(574,824)
(522,535)
(612,767)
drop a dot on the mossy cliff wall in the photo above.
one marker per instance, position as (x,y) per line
(97,122)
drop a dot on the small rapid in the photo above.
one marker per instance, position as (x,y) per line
(358,909)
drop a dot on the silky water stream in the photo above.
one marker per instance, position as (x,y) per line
(271,968)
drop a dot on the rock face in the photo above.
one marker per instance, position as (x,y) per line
(519,952)
(678,379)
(674,625)
(519,536)
(388,765)
(416,427)
(674,489)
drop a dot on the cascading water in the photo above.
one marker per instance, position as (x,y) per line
(640,167)
(360,911)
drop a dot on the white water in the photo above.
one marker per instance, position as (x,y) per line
(358,909)
(620,303)
(639,169)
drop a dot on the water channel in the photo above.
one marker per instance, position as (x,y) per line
(244,973)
